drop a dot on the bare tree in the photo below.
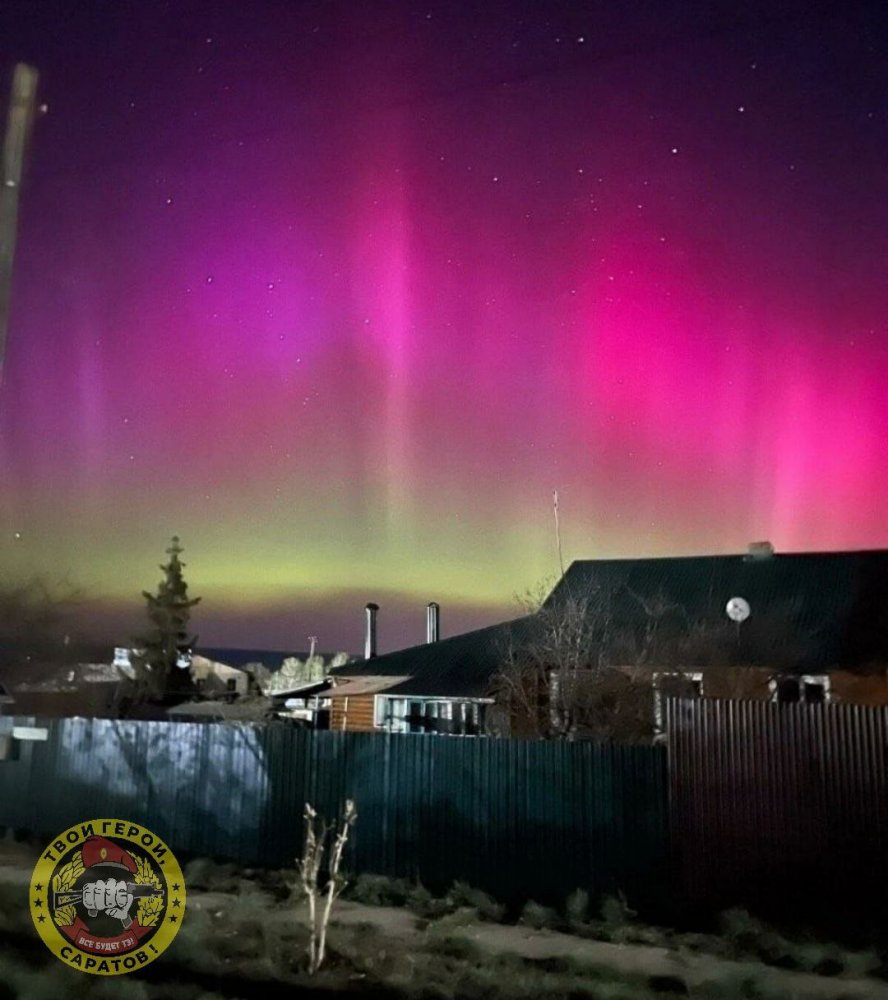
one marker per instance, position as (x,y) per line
(582,671)
(320,899)
(596,662)
(38,627)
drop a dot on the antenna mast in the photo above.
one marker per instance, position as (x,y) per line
(18,130)
(557,530)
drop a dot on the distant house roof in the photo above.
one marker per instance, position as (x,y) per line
(297,688)
(271,659)
(835,602)
(369,684)
(240,710)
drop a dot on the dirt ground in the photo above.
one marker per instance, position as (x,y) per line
(224,930)
(627,959)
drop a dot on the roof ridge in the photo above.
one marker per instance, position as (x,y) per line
(728,555)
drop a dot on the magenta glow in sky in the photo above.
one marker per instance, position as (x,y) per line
(340,293)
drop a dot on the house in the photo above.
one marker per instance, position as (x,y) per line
(809,627)
(213,678)
(55,677)
(287,684)
(442,686)
(259,681)
(229,674)
(86,689)
(785,627)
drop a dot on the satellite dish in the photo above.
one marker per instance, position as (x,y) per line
(737,609)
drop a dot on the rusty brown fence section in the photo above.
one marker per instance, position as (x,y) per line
(779,806)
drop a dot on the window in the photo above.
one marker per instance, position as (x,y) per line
(809,689)
(788,690)
(231,684)
(396,715)
(414,717)
(458,716)
(122,657)
(674,685)
(815,694)
(429,715)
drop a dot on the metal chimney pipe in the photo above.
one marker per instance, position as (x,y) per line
(433,622)
(370,631)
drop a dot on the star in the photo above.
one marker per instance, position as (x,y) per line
(41,918)
(38,902)
(175,902)
(175,887)
(38,888)
(173,918)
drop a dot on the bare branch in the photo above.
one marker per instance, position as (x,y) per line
(317,834)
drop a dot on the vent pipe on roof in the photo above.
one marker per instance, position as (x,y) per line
(370,631)
(759,550)
(433,622)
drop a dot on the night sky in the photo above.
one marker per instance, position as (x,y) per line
(341,291)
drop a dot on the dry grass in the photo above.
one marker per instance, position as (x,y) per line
(242,938)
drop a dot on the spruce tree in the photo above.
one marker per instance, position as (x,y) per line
(169,611)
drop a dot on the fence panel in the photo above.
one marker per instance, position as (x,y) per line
(521,820)
(779,807)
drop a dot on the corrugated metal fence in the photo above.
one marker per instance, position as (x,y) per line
(780,807)
(519,819)
(766,804)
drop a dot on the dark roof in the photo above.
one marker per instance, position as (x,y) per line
(460,666)
(240,710)
(834,604)
(808,610)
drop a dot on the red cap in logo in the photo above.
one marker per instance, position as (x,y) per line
(99,851)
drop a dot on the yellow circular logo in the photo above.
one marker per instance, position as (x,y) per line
(107,896)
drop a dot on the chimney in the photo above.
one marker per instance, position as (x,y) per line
(370,631)
(759,550)
(433,622)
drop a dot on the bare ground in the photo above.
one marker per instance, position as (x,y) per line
(392,949)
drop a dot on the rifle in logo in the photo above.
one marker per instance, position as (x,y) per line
(98,895)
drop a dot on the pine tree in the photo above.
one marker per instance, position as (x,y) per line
(169,611)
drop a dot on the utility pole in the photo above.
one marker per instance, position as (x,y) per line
(20,121)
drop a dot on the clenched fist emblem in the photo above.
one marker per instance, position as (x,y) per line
(108,896)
